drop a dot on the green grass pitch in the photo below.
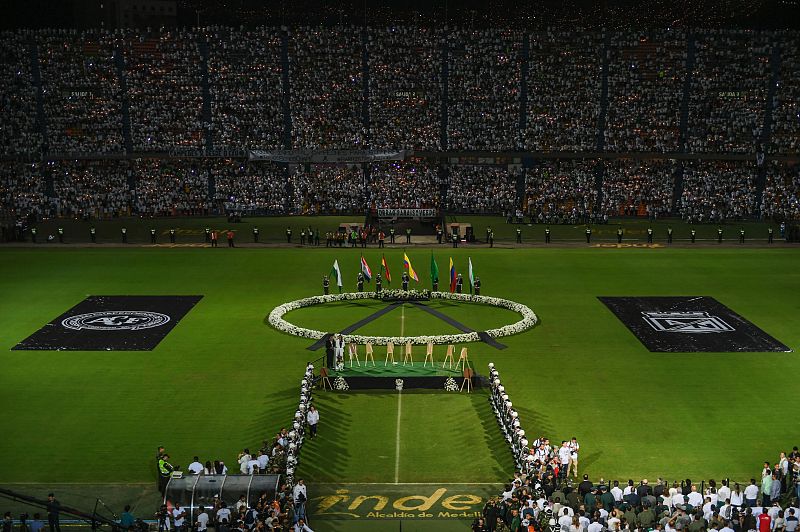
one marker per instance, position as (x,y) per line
(223,379)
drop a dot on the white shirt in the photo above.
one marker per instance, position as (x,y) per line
(613,523)
(707,512)
(195,468)
(298,489)
(594,527)
(736,499)
(564,454)
(263,460)
(179,515)
(312,417)
(584,521)
(724,493)
(224,513)
(726,529)
(695,499)
(617,493)
(677,499)
(750,492)
(202,522)
(243,463)
(253,463)
(565,521)
(574,447)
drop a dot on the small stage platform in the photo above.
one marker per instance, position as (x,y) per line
(414,376)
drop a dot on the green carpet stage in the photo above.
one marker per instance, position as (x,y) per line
(380,376)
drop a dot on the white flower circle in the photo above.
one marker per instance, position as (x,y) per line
(528,320)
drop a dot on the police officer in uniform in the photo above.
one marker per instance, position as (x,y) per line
(310,237)
(454,238)
(152,236)
(391,235)
(255,235)
(378,283)
(669,235)
(459,284)
(547,235)
(124,231)
(769,235)
(60,235)
(360,282)
(491,239)
(619,235)
(649,235)
(439,234)
(741,235)
(693,234)
(172,236)
(164,471)
(477,286)
(405,280)
(435,284)
(93,234)
(519,235)
(488,232)
(288,235)
(588,234)
(719,235)
(326,285)
(408,235)
(33,234)
(302,237)
(208,235)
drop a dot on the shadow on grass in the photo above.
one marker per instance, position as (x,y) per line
(502,462)
(535,423)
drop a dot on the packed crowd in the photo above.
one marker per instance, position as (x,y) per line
(405,185)
(164,89)
(482,189)
(164,188)
(638,188)
(81,90)
(484,85)
(405,85)
(645,87)
(90,189)
(22,190)
(728,93)
(18,131)
(785,137)
(714,191)
(781,199)
(561,191)
(245,83)
(328,190)
(564,82)
(326,74)
(249,188)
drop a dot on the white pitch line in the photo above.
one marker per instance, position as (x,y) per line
(397,439)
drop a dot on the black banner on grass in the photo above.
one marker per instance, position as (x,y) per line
(112,323)
(688,324)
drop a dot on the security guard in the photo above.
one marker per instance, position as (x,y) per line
(255,234)
(302,237)
(741,235)
(454,238)
(547,235)
(378,283)
(164,471)
(459,283)
(288,235)
(405,281)
(381,238)
(649,235)
(93,234)
(588,235)
(491,239)
(391,235)
(693,234)
(438,234)
(360,283)
(326,285)
(124,231)
(33,234)
(172,236)
(408,235)
(669,235)
(719,235)
(519,235)
(488,232)
(310,237)
(477,286)
(769,235)
(60,235)
(152,236)
(619,235)
(208,235)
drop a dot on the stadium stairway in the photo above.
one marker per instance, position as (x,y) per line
(677,190)
(766,140)
(208,134)
(601,117)
(119,65)
(287,112)
(41,121)
(523,94)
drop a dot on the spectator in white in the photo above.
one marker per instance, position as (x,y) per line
(791,519)
(244,459)
(253,467)
(241,504)
(737,497)
(195,468)
(613,523)
(224,513)
(299,492)
(564,455)
(263,460)
(313,419)
(751,493)
(724,491)
(301,526)
(694,498)
(179,516)
(564,520)
(616,492)
(201,524)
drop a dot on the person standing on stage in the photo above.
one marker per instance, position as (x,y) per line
(459,284)
(477,286)
(360,282)
(326,285)
(378,283)
(405,280)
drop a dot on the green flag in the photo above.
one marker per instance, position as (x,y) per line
(336,274)
(434,271)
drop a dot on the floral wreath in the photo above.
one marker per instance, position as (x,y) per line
(529,319)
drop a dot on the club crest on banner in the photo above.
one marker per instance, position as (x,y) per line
(686,322)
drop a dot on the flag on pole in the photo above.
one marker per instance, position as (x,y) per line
(407,264)
(365,269)
(434,271)
(452,275)
(336,274)
(385,268)
(471,275)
